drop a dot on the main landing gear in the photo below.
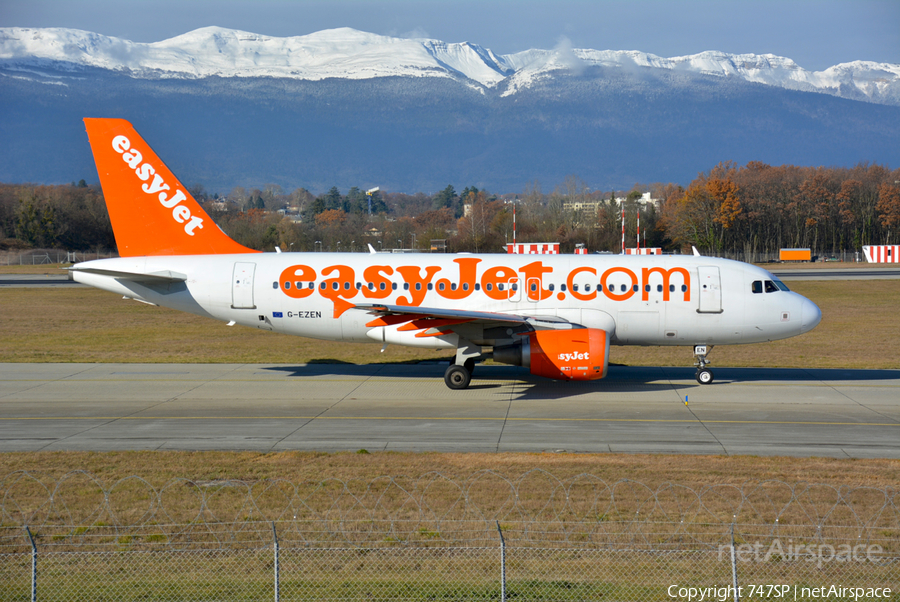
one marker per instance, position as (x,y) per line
(457,377)
(704,375)
(459,374)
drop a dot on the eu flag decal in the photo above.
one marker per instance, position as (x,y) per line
(277,314)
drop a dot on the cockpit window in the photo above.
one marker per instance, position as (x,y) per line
(756,287)
(781,285)
(770,287)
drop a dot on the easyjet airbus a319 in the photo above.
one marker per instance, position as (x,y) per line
(556,315)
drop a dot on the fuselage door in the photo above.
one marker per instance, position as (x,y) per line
(710,290)
(533,290)
(515,291)
(242,286)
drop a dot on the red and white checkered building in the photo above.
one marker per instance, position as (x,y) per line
(882,253)
(533,248)
(644,251)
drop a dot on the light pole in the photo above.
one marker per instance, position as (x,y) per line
(318,246)
(380,246)
(399,244)
(353,246)
(339,246)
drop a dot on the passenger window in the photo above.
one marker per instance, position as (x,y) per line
(756,287)
(466,286)
(515,286)
(624,288)
(612,288)
(534,287)
(406,286)
(358,285)
(671,288)
(477,286)
(683,288)
(418,286)
(499,286)
(287,285)
(488,287)
(658,288)
(453,286)
(575,287)
(770,287)
(562,287)
(430,286)
(393,286)
(322,286)
(550,288)
(635,288)
(647,287)
(587,288)
(441,286)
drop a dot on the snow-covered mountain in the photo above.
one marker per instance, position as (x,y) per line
(347,108)
(355,55)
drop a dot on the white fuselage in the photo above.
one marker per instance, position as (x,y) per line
(641,300)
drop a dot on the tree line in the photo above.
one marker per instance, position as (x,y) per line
(747,211)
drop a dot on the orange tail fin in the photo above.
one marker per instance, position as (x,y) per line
(151,212)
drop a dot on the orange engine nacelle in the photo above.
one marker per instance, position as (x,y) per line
(578,354)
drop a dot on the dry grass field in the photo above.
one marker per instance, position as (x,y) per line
(652,470)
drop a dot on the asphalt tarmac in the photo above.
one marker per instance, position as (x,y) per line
(332,407)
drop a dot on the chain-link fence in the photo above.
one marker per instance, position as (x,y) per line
(52,256)
(536,537)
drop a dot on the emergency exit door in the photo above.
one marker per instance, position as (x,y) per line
(242,286)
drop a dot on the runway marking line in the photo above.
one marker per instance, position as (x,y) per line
(445,418)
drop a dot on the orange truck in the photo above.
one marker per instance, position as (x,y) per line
(795,255)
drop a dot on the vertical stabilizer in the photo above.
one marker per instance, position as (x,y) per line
(151,212)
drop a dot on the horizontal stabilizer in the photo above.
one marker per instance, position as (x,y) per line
(152,277)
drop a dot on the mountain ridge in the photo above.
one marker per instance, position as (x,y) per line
(352,54)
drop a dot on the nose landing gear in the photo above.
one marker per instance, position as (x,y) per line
(704,375)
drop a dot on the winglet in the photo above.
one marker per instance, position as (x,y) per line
(696,252)
(152,213)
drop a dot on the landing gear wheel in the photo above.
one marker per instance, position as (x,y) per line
(469,365)
(457,377)
(704,376)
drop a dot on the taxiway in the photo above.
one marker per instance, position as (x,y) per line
(332,407)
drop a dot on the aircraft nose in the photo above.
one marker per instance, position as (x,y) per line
(810,315)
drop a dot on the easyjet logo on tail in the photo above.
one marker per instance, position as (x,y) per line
(154,184)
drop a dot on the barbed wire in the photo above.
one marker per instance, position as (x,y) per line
(537,508)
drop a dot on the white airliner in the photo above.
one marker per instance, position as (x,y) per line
(556,315)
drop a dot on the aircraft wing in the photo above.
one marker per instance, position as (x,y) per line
(394,314)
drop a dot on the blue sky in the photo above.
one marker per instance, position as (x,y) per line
(815,33)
